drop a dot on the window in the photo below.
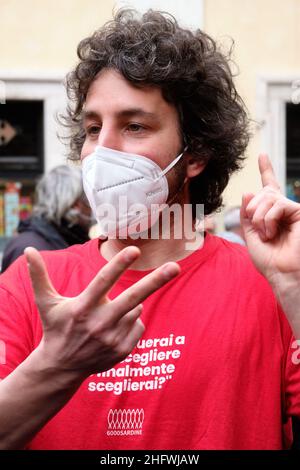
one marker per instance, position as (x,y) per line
(293,150)
(29,144)
(279,120)
(21,138)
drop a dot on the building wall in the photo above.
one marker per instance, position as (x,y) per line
(39,39)
(267,42)
(43,35)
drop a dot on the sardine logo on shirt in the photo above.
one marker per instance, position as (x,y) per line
(126,422)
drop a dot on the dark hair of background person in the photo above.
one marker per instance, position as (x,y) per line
(192,73)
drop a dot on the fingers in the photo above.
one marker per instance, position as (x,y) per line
(267,212)
(107,276)
(134,335)
(137,293)
(257,213)
(257,209)
(272,220)
(247,197)
(267,174)
(41,283)
(254,209)
(120,340)
(131,317)
(245,221)
(282,212)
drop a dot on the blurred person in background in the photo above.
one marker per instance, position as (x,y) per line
(233,230)
(61,215)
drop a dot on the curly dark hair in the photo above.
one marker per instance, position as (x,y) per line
(192,73)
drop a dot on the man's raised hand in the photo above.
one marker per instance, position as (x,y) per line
(271,225)
(91,333)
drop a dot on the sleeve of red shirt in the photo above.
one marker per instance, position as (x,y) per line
(16,317)
(291,373)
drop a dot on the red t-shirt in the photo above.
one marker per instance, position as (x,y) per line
(213,369)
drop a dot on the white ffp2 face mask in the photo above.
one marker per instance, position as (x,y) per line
(124,189)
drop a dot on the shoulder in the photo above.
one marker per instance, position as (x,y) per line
(230,250)
(234,262)
(61,265)
(71,256)
(245,285)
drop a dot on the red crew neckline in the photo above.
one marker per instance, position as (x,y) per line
(196,257)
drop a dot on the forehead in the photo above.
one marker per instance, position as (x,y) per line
(111,92)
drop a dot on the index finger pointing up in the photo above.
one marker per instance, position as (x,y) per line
(266,172)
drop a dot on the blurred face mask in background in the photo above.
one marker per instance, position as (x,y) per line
(124,189)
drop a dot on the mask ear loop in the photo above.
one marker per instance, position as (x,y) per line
(170,166)
(185,179)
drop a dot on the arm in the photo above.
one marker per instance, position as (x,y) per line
(29,397)
(81,336)
(271,225)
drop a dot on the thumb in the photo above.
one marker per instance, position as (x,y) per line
(245,221)
(42,286)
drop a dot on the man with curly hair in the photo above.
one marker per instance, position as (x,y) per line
(135,342)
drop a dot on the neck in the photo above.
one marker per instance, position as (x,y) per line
(173,244)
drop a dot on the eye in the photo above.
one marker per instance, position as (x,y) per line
(93,130)
(134,127)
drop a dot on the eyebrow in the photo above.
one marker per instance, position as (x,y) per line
(125,113)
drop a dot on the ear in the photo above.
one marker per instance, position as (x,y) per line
(194,167)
